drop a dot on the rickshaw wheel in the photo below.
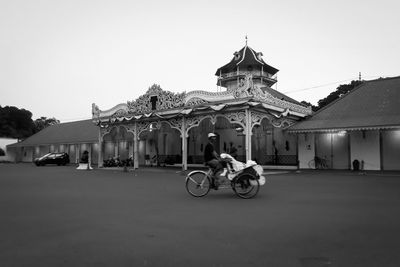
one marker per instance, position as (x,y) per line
(246,186)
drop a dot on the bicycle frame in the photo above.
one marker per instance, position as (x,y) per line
(198,183)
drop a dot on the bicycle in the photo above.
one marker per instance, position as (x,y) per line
(245,183)
(318,163)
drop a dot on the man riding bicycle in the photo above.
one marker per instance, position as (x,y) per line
(212,159)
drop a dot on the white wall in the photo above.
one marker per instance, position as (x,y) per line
(306,149)
(391,150)
(3,143)
(27,154)
(365,147)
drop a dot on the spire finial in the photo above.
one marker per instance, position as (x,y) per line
(246,39)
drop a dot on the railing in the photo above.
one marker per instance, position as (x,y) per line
(163,160)
(280,160)
(195,159)
(243,73)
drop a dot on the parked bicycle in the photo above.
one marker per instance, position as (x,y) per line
(244,182)
(318,163)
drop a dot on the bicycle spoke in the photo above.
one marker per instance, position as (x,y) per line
(198,184)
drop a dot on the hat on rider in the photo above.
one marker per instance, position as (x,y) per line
(212,135)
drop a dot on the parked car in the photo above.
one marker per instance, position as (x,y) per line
(53,158)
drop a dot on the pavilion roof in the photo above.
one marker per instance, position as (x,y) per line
(71,132)
(374,104)
(244,58)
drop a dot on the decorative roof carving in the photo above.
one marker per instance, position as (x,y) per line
(120,113)
(245,88)
(164,100)
(278,122)
(200,97)
(156,101)
(195,101)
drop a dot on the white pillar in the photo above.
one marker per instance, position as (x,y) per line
(90,155)
(135,148)
(100,156)
(248,134)
(78,153)
(184,144)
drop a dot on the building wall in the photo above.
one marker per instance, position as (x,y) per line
(95,153)
(43,150)
(306,149)
(365,148)
(27,154)
(72,153)
(3,145)
(373,149)
(391,150)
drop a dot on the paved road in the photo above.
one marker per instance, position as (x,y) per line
(59,216)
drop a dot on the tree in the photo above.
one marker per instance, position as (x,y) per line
(308,104)
(340,91)
(44,122)
(18,123)
(15,122)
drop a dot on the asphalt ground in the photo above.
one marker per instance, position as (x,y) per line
(60,216)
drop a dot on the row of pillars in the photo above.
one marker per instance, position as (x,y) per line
(184,136)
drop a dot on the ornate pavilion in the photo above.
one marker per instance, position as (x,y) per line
(247,114)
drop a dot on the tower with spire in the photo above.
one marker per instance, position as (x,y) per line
(246,62)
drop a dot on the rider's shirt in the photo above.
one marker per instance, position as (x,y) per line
(209,152)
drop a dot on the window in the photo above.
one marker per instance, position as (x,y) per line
(153,101)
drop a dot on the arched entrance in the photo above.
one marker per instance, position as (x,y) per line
(159,144)
(230,137)
(271,145)
(118,143)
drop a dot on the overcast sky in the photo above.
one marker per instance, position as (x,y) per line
(59,57)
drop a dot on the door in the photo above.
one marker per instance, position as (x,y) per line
(340,151)
(390,146)
(334,148)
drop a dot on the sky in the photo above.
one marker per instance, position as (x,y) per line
(59,57)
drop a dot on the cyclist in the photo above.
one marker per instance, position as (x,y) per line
(212,159)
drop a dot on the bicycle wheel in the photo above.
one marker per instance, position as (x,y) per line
(198,183)
(246,186)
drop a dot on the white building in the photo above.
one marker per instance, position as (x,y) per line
(363,125)
(4,142)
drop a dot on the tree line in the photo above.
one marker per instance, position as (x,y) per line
(18,123)
(340,91)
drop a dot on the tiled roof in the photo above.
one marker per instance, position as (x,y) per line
(246,57)
(64,133)
(373,105)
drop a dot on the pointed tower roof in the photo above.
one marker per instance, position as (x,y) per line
(244,58)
